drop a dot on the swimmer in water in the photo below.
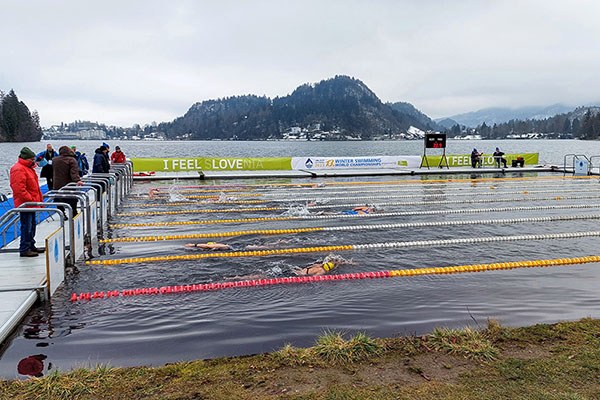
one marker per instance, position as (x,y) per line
(153,193)
(321,268)
(362,210)
(210,246)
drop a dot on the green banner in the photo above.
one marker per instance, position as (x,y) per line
(464,160)
(211,164)
(285,163)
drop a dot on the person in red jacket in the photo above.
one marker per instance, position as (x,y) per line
(25,188)
(117,157)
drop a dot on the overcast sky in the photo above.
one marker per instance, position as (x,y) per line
(124,62)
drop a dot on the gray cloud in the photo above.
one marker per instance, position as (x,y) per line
(141,61)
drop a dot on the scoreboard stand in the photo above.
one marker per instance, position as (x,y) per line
(435,141)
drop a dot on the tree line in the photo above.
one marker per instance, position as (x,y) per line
(17,123)
(582,123)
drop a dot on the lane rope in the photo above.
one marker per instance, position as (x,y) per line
(272,232)
(347,247)
(388,182)
(386,188)
(336,216)
(334,205)
(321,194)
(203,287)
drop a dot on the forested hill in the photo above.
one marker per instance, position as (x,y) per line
(17,123)
(336,108)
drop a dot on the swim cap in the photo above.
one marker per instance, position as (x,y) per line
(328,266)
(210,243)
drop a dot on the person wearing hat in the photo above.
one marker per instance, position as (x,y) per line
(82,162)
(498,157)
(26,188)
(321,268)
(476,158)
(101,164)
(118,157)
(66,170)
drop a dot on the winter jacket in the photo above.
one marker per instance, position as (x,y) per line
(65,170)
(118,157)
(82,162)
(24,182)
(101,164)
(48,156)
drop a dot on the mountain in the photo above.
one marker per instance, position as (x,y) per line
(418,119)
(337,108)
(496,115)
(447,123)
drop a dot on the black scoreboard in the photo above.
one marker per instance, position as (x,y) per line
(435,140)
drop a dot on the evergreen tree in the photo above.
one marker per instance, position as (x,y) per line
(17,124)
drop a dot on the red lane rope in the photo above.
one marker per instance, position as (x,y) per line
(223,285)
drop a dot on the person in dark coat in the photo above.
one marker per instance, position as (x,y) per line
(25,188)
(84,166)
(47,157)
(101,163)
(66,170)
(498,158)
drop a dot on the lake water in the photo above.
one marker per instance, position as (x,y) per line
(153,330)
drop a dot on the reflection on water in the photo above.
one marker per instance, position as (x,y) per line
(166,328)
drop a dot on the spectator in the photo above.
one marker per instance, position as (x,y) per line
(476,160)
(66,171)
(498,158)
(118,157)
(101,164)
(46,172)
(82,161)
(25,187)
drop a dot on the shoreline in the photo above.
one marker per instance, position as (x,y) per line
(544,361)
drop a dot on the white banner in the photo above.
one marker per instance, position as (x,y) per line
(79,235)
(303,163)
(95,219)
(55,260)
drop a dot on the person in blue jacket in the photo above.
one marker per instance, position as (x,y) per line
(44,159)
(101,163)
(82,162)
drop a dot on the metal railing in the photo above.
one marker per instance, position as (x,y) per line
(592,164)
(574,158)
(10,219)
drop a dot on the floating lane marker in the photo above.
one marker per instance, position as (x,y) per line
(379,203)
(206,211)
(335,216)
(347,247)
(87,296)
(392,182)
(322,194)
(209,235)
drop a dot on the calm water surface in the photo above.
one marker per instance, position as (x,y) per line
(153,330)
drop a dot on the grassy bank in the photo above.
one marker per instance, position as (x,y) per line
(560,361)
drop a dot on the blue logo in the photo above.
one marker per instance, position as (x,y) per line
(581,164)
(55,250)
(79,228)
(308,163)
